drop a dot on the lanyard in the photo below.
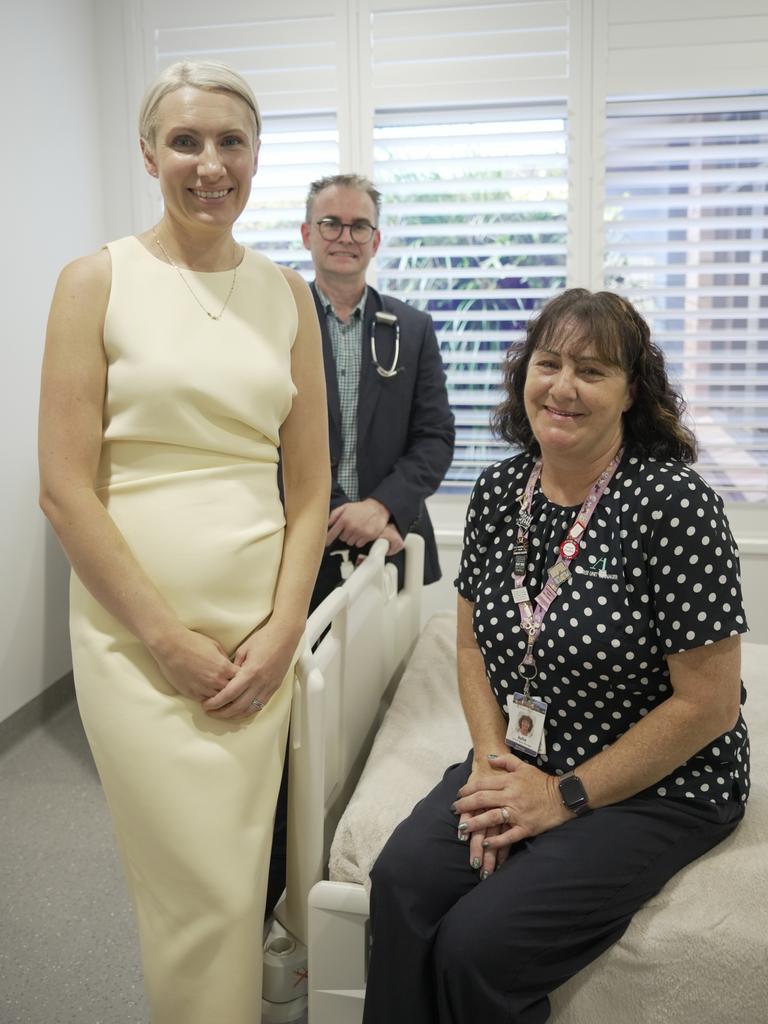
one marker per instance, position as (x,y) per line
(531,618)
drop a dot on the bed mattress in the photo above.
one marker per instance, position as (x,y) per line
(423,732)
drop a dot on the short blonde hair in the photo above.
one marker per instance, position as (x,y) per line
(210,75)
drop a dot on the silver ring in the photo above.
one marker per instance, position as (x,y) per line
(505,814)
(256,703)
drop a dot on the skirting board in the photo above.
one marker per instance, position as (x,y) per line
(36,712)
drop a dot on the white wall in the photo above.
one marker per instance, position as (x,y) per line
(50,180)
(130,195)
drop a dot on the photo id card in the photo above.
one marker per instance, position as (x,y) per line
(526,724)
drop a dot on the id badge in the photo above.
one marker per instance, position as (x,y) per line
(526,724)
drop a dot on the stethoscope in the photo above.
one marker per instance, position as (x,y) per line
(390,320)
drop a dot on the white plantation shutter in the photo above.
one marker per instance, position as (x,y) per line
(453,52)
(667,47)
(278,49)
(686,239)
(474,232)
(499,131)
(278,53)
(470,156)
(294,151)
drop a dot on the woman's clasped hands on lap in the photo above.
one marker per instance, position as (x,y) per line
(503,803)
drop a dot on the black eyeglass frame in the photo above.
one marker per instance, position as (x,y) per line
(355,225)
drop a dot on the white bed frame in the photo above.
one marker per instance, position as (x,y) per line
(341,691)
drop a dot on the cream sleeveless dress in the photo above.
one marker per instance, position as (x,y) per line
(188,472)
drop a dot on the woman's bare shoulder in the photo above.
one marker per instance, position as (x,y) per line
(81,298)
(93,269)
(92,273)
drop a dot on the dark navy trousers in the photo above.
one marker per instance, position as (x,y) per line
(448,948)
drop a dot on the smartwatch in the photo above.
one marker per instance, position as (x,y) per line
(573,794)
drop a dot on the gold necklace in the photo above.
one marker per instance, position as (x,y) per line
(191,291)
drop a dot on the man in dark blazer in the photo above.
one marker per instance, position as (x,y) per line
(390,426)
(391,429)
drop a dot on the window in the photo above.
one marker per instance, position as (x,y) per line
(294,151)
(686,224)
(469,151)
(474,232)
(518,152)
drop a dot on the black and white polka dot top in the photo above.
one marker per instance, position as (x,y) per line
(657,574)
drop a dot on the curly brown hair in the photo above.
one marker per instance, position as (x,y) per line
(653,424)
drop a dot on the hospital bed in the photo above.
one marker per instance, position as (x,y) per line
(697,953)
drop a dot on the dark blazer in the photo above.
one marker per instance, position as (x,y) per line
(405,427)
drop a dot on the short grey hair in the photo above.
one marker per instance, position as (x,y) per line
(356,181)
(209,75)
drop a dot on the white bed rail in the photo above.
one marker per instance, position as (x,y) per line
(336,707)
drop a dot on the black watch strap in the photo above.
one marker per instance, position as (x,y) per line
(573,794)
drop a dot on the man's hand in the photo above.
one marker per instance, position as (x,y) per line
(357,523)
(391,535)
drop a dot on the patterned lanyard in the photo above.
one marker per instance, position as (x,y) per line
(531,618)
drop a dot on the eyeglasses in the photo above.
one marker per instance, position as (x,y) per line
(331,229)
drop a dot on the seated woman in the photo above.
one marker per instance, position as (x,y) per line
(600,598)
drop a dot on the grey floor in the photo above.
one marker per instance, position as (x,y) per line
(68,951)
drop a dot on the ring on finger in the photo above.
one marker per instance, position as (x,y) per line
(505,814)
(257,704)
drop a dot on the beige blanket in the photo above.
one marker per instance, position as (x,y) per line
(695,954)
(422,733)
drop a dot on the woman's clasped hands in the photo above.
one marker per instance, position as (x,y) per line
(500,805)
(240,686)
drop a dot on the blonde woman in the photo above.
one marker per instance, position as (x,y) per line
(177,365)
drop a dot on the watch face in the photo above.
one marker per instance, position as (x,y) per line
(573,793)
